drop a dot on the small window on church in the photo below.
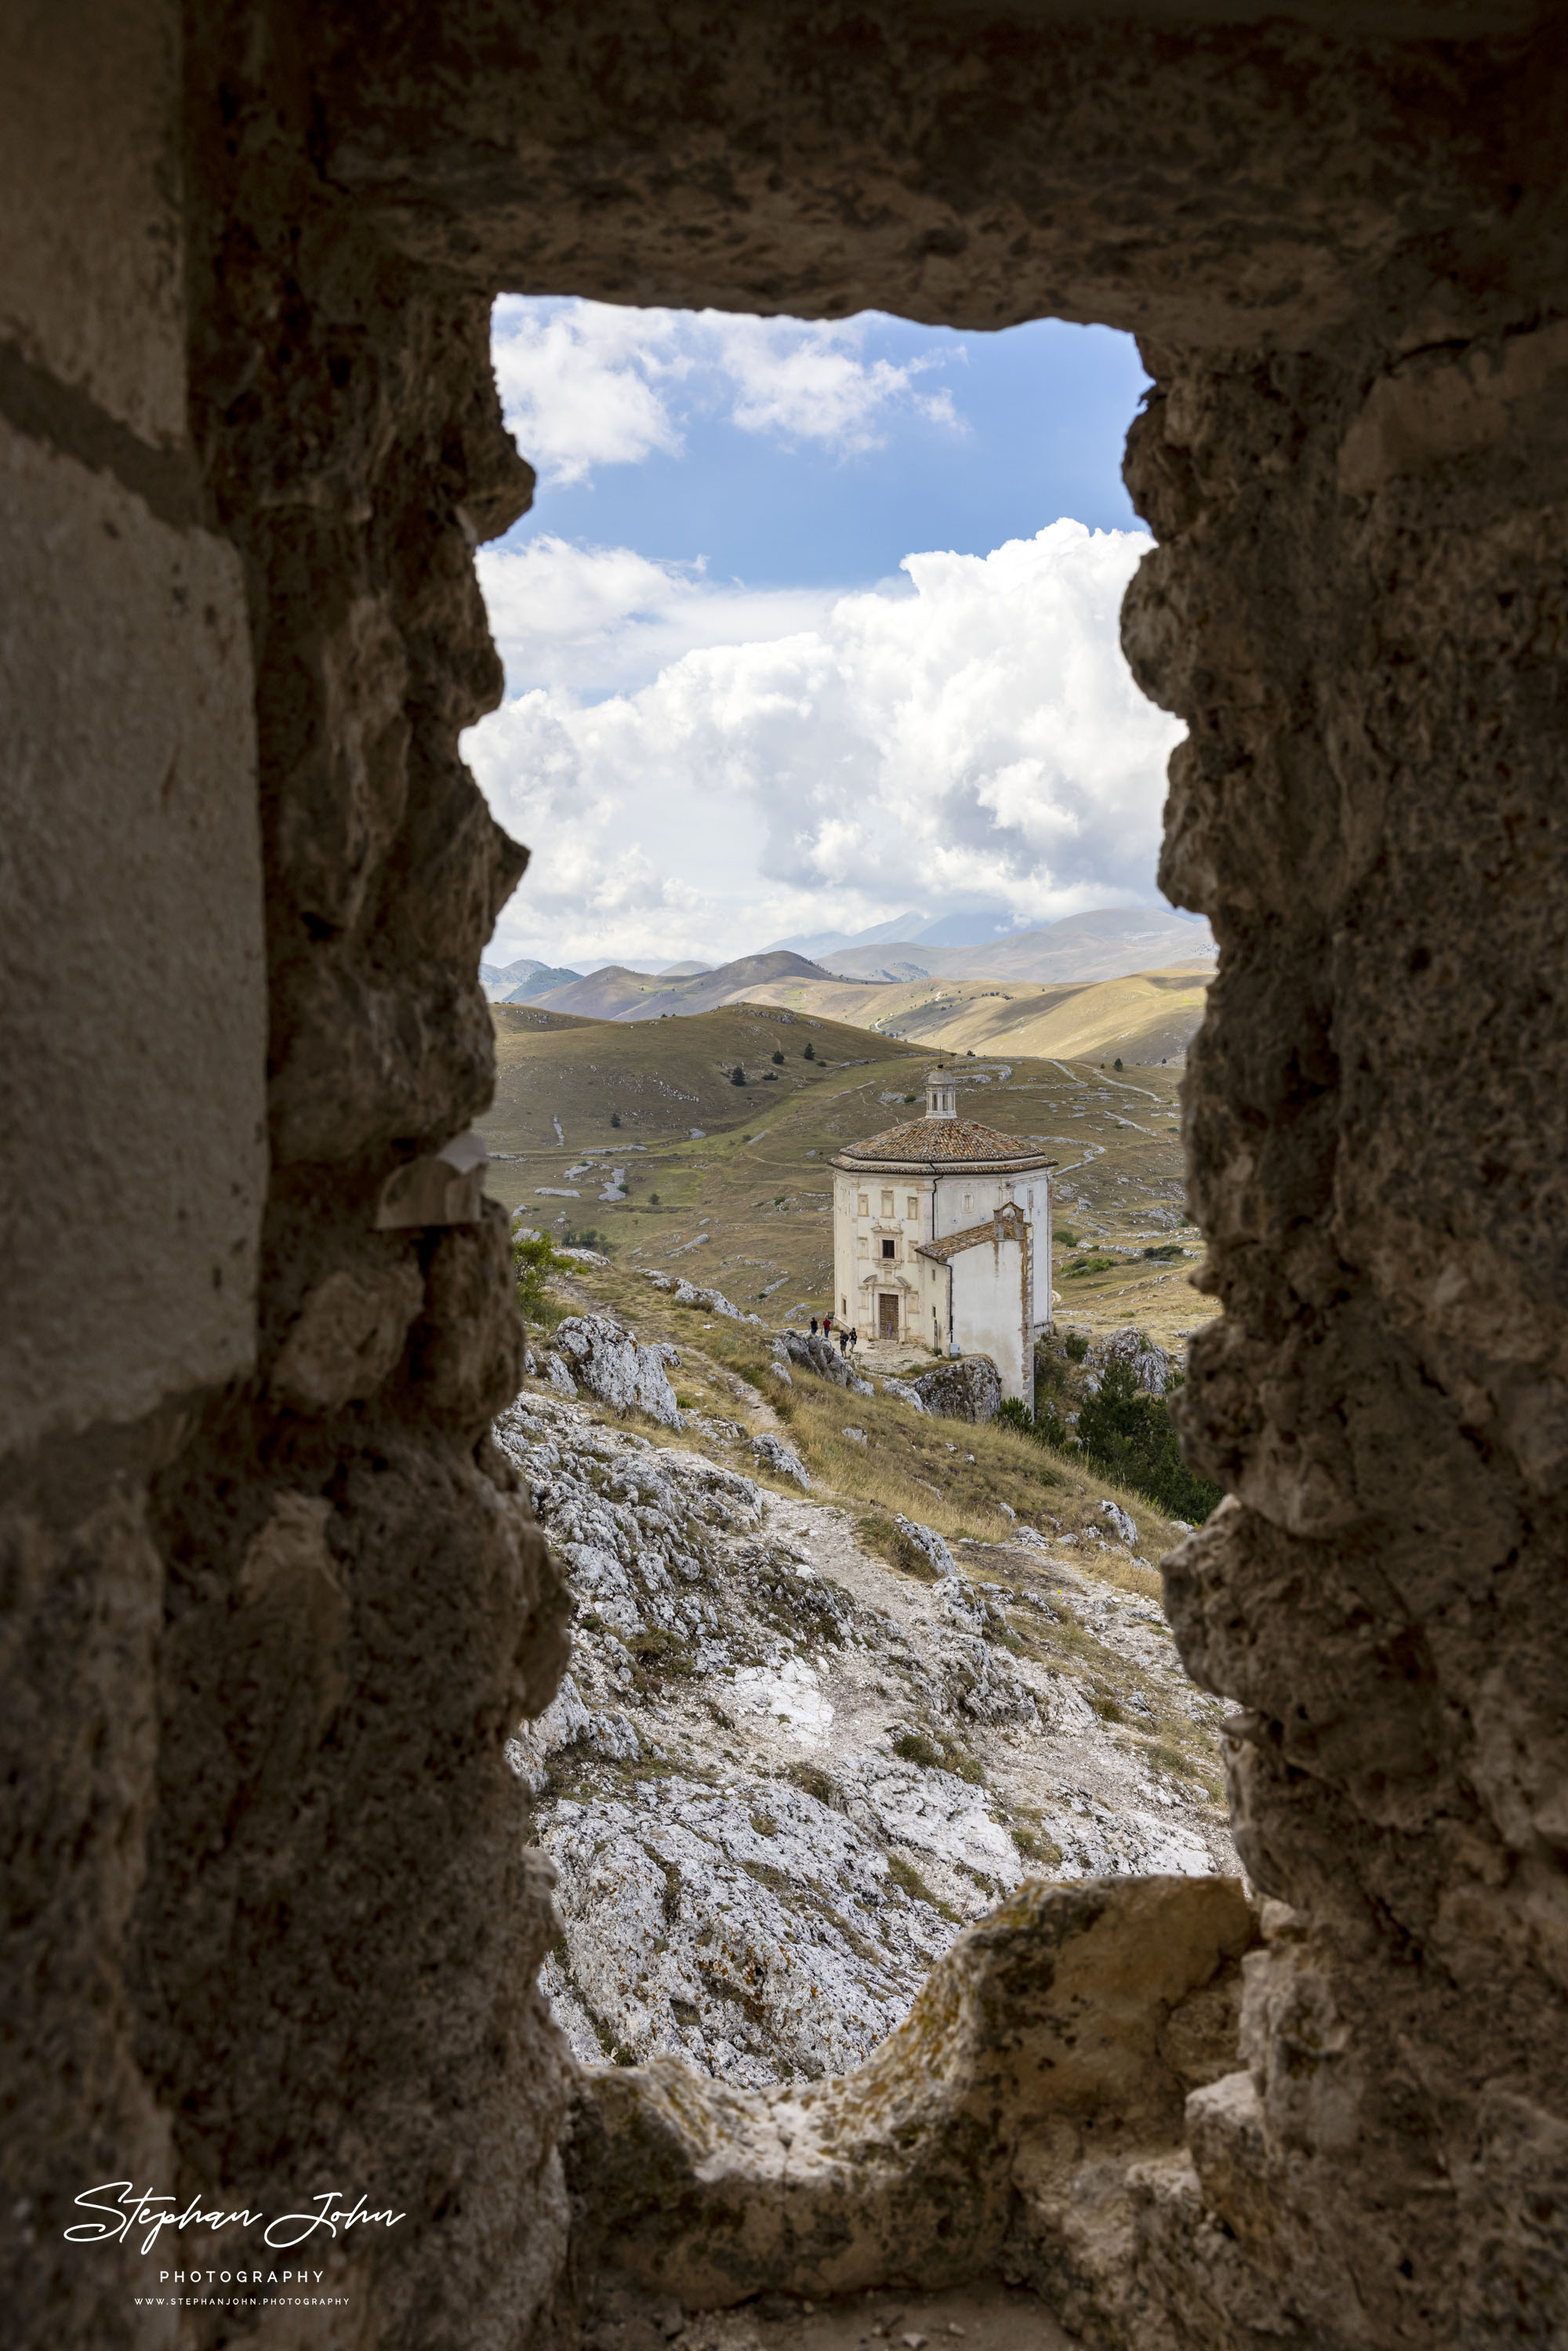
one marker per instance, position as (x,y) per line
(887,1204)
(865,1204)
(913,1209)
(887,1248)
(862,1249)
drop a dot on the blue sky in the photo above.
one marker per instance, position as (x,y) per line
(810,624)
(1030,425)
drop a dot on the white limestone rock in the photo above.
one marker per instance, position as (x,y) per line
(926,1539)
(1151,1364)
(782,1458)
(743,1783)
(608,1363)
(812,1352)
(750,1930)
(969,1388)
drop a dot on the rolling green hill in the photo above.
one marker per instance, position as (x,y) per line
(744,1202)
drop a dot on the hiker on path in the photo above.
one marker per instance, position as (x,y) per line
(854,1338)
(813,1326)
(843,1343)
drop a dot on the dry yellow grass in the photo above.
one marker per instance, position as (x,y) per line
(911,1466)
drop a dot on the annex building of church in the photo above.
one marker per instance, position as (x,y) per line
(942,1237)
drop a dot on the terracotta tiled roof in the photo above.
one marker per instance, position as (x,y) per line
(943,1143)
(953,1245)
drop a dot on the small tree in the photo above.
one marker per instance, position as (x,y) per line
(1117,1062)
(532,1263)
(779,1058)
(614,1118)
(738,1075)
(809,1052)
(1131,1437)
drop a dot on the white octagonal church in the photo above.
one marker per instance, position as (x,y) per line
(942,1237)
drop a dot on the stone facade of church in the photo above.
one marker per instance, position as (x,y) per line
(942,1237)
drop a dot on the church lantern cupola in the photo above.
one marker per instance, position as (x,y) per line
(941,1094)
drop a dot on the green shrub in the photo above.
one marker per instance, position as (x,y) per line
(533,1263)
(905,1873)
(1035,1845)
(1050,1426)
(914,1747)
(1076,1344)
(815,1781)
(778,1059)
(945,1755)
(1044,1424)
(808,1051)
(1130,1438)
(737,1076)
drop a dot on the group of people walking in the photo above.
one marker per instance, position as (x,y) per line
(848,1340)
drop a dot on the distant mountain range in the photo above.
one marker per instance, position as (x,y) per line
(988,927)
(1081,949)
(860,985)
(1103,945)
(517,983)
(618,993)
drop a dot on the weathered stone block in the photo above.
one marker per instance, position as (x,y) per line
(347,1336)
(93,230)
(133,1155)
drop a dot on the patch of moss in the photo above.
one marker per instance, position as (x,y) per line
(1035,1845)
(905,1873)
(813,1781)
(944,1755)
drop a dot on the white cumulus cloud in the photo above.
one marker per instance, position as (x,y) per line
(603,619)
(973,738)
(585,385)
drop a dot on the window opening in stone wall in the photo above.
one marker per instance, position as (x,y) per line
(832,774)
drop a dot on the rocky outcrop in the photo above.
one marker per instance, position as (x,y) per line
(812,1352)
(713,1302)
(1048,2057)
(1150,1365)
(928,1544)
(782,1460)
(762,1786)
(608,1363)
(969,1388)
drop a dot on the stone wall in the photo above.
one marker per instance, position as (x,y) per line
(272,1601)
(1375,1130)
